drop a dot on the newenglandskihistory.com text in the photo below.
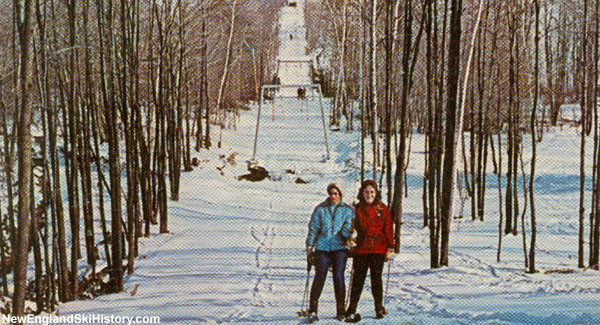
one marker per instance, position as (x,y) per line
(89,318)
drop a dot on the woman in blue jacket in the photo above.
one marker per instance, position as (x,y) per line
(329,228)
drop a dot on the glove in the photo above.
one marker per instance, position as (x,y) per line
(389,254)
(309,250)
(351,242)
(310,255)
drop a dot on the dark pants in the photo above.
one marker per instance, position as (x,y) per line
(322,262)
(360,265)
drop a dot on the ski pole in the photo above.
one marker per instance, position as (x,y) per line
(302,311)
(306,288)
(387,282)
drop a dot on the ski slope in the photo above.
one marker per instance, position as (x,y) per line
(235,253)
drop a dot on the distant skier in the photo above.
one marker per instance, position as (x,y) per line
(328,231)
(374,246)
(276,81)
(301,93)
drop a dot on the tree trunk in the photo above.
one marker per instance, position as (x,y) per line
(225,70)
(105,16)
(433,152)
(65,293)
(73,170)
(204,99)
(595,231)
(105,234)
(533,141)
(22,12)
(363,90)
(86,163)
(373,116)
(406,84)
(584,48)
(448,181)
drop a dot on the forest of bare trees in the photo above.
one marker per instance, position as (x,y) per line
(102,103)
(476,78)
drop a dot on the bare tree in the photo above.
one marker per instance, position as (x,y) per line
(584,113)
(73,145)
(592,101)
(85,147)
(22,11)
(533,121)
(450,129)
(406,85)
(105,27)
(373,89)
(226,68)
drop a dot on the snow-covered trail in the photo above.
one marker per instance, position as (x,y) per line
(235,251)
(236,248)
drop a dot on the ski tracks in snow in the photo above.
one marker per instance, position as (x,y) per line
(264,238)
(417,290)
(263,257)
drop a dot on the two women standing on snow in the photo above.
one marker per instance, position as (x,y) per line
(374,246)
(328,231)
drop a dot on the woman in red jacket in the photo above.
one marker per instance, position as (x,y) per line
(374,244)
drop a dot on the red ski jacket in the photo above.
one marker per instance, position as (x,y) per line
(373,224)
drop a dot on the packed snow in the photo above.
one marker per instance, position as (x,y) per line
(235,251)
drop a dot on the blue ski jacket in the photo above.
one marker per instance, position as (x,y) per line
(329,227)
